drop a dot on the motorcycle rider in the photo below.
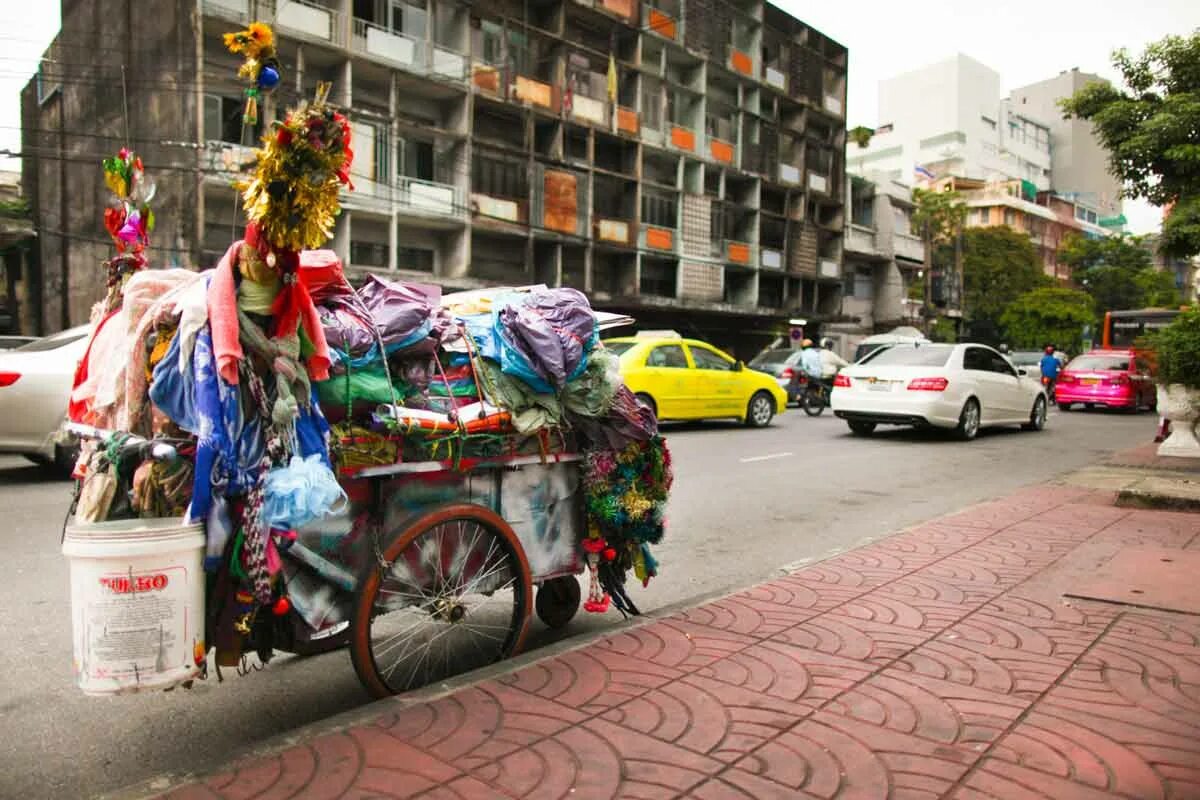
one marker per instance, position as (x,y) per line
(1049,366)
(810,360)
(831,362)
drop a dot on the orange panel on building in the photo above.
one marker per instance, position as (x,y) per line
(561,202)
(721,151)
(683,138)
(627,121)
(622,8)
(535,92)
(486,78)
(741,62)
(659,238)
(739,253)
(661,24)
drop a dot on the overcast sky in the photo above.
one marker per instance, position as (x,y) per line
(1024,40)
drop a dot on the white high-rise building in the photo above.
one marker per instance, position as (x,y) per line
(949,118)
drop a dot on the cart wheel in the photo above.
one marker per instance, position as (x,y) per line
(451,593)
(557,601)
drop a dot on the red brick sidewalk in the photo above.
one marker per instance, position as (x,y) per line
(942,661)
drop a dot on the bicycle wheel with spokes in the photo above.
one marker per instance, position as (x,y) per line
(450,592)
(813,402)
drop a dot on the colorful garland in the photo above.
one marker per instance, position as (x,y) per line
(625,498)
(305,160)
(128,220)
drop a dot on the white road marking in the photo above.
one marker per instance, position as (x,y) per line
(764,458)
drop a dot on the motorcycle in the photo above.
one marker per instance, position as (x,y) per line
(814,395)
(1048,388)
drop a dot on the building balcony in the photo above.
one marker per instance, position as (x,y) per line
(589,109)
(652,237)
(662,23)
(909,247)
(742,62)
(226,162)
(829,269)
(789,174)
(414,55)
(628,121)
(232,10)
(741,253)
(306,19)
(832,104)
(861,239)
(818,182)
(683,138)
(721,151)
(622,9)
(428,198)
(499,209)
(775,78)
(615,231)
(770,258)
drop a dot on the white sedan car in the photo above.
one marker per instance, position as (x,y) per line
(961,387)
(35,388)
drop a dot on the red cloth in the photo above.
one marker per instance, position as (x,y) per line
(80,409)
(293,307)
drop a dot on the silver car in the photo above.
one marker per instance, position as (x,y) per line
(35,388)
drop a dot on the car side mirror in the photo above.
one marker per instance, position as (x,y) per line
(739,366)
(1022,372)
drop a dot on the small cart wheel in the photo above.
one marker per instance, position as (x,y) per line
(449,592)
(557,601)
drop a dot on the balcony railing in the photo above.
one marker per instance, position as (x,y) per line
(861,239)
(740,253)
(415,55)
(741,61)
(502,209)
(662,23)
(770,258)
(789,173)
(721,151)
(818,182)
(833,105)
(310,20)
(909,246)
(428,197)
(616,231)
(235,10)
(828,268)
(589,109)
(226,162)
(652,237)
(683,138)
(775,78)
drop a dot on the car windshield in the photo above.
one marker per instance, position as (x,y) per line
(771,358)
(907,355)
(51,342)
(1094,362)
(617,348)
(1026,358)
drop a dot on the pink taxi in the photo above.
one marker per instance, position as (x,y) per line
(1110,378)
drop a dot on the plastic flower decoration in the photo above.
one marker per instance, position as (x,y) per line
(261,67)
(128,217)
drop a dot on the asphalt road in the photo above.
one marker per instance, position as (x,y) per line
(746,502)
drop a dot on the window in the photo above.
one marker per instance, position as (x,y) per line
(1099,363)
(414,258)
(368,254)
(659,208)
(978,359)
(1010,217)
(410,18)
(902,220)
(416,159)
(988,123)
(667,355)
(223,120)
(864,284)
(707,359)
(999,364)
(910,355)
(499,178)
(982,216)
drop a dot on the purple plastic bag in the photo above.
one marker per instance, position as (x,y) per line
(397,310)
(553,329)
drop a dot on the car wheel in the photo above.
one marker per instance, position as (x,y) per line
(968,421)
(647,401)
(1064,406)
(1037,417)
(860,428)
(760,410)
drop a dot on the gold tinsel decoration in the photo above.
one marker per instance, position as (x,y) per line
(304,162)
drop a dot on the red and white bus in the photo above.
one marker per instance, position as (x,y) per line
(1122,329)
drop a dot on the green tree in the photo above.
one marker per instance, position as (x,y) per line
(1117,272)
(938,218)
(1149,128)
(999,265)
(1049,315)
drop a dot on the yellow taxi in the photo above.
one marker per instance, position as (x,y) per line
(689,379)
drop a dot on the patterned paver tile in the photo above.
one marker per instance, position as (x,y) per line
(1156,645)
(760,611)
(930,709)
(1000,780)
(599,759)
(792,674)
(871,642)
(710,717)
(829,755)
(483,722)
(677,644)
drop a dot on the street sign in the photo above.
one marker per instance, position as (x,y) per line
(797,333)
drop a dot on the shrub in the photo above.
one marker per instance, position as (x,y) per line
(1178,351)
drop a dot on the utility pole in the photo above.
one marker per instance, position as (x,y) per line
(927,283)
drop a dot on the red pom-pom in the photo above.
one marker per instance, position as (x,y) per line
(281,607)
(594,545)
(610,554)
(284,137)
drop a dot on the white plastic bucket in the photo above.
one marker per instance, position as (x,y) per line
(137,603)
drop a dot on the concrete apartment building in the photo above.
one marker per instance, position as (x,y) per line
(702,189)
(1078,162)
(882,259)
